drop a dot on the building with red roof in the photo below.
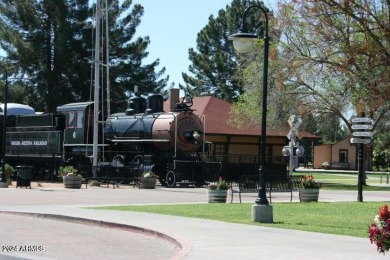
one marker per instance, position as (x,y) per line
(226,139)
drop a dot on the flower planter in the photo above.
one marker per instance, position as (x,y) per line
(148,183)
(72,182)
(216,196)
(308,195)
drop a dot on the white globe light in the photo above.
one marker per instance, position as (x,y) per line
(242,41)
(286,151)
(243,45)
(300,151)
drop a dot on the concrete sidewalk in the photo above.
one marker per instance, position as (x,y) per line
(157,236)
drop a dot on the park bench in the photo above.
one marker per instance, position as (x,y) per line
(339,166)
(112,175)
(273,183)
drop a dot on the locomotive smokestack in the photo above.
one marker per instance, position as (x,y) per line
(174,97)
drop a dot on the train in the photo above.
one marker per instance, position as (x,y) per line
(140,139)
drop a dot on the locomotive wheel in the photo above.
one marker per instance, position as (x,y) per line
(170,179)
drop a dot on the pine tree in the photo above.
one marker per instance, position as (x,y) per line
(49,44)
(214,65)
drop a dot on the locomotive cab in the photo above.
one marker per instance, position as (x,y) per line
(78,133)
(78,117)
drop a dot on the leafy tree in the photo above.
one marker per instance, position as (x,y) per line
(381,145)
(281,104)
(381,154)
(332,58)
(330,129)
(336,56)
(48,47)
(214,65)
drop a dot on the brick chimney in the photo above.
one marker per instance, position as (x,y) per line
(174,97)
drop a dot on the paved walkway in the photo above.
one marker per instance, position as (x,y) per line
(152,236)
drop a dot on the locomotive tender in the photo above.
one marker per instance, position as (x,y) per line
(142,138)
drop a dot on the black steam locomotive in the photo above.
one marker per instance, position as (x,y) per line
(142,138)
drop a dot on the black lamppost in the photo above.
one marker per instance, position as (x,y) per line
(243,42)
(4,125)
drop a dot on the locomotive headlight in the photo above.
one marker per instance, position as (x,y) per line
(192,136)
(196,135)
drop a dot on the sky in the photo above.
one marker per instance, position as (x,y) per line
(172,26)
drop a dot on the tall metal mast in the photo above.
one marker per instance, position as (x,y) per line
(96,87)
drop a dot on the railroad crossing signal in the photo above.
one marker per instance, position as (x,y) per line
(361,127)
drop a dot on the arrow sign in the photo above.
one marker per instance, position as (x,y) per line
(360,141)
(361,120)
(362,127)
(365,134)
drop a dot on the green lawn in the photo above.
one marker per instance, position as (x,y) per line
(342,218)
(347,181)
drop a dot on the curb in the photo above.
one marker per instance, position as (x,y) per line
(182,246)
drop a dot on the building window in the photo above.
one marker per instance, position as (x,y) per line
(219,149)
(343,156)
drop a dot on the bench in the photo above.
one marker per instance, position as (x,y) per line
(112,175)
(273,183)
(339,166)
(115,182)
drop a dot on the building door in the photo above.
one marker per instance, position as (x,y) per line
(343,156)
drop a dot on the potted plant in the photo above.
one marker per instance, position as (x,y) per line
(148,180)
(379,230)
(70,177)
(325,165)
(9,173)
(217,191)
(310,189)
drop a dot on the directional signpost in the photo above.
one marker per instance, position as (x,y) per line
(361,135)
(360,141)
(361,127)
